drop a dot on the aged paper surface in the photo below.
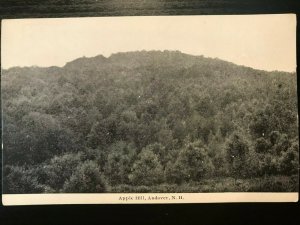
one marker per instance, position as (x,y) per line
(142,198)
(162,109)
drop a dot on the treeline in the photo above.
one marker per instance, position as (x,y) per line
(148,121)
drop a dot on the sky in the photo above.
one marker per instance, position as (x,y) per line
(265,42)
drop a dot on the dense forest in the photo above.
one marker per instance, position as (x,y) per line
(149,121)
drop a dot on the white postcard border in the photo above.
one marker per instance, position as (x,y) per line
(145,198)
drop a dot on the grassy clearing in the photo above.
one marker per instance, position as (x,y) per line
(264,184)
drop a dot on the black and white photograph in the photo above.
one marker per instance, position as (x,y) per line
(142,107)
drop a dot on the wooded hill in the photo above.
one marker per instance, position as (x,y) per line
(149,121)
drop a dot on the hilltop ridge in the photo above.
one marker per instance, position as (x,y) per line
(156,58)
(149,122)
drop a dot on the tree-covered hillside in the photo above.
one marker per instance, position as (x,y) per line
(149,122)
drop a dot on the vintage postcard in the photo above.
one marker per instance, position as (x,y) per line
(156,109)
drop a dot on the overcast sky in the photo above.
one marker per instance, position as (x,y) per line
(264,42)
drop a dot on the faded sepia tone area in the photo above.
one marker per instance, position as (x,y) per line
(142,105)
(262,42)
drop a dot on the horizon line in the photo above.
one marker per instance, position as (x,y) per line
(139,51)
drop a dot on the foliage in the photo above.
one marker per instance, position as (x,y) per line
(119,163)
(20,180)
(237,152)
(192,163)
(86,179)
(147,169)
(143,118)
